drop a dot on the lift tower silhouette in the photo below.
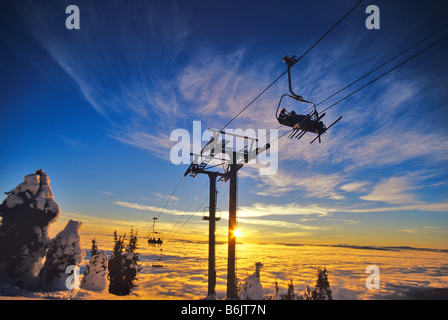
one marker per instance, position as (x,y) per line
(217,150)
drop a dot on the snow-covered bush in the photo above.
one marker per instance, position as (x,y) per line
(250,288)
(96,275)
(64,250)
(322,290)
(26,215)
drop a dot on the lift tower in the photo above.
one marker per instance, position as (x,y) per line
(217,150)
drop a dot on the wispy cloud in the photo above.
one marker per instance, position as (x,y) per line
(70,141)
(409,230)
(424,207)
(165,197)
(158,144)
(117,75)
(400,189)
(296,209)
(107,193)
(357,186)
(281,224)
(314,185)
(395,190)
(137,206)
(262,209)
(407,144)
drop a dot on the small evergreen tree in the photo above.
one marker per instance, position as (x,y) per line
(322,291)
(323,286)
(130,263)
(96,274)
(94,248)
(123,265)
(115,270)
(307,295)
(276,296)
(290,295)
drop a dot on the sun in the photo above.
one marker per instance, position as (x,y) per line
(237,233)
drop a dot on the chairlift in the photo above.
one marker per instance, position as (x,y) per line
(155,239)
(160,264)
(301,123)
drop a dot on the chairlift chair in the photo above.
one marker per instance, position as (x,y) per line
(301,123)
(155,238)
(160,264)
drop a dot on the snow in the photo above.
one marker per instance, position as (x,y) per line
(64,251)
(13,200)
(250,288)
(27,188)
(96,275)
(26,215)
(276,296)
(35,187)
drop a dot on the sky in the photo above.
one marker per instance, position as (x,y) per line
(95,107)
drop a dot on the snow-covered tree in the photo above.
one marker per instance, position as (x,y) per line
(64,251)
(123,266)
(130,263)
(26,215)
(290,294)
(250,288)
(276,296)
(96,274)
(114,266)
(308,294)
(322,290)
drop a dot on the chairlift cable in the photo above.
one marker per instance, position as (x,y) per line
(331,29)
(186,210)
(191,216)
(303,55)
(194,213)
(383,64)
(387,72)
(171,195)
(167,201)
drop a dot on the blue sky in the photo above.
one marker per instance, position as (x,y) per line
(95,108)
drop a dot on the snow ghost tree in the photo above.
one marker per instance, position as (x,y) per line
(130,262)
(96,275)
(276,296)
(250,288)
(290,295)
(64,250)
(323,286)
(322,291)
(308,294)
(123,266)
(26,215)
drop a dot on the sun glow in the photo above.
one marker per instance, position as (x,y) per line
(237,233)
